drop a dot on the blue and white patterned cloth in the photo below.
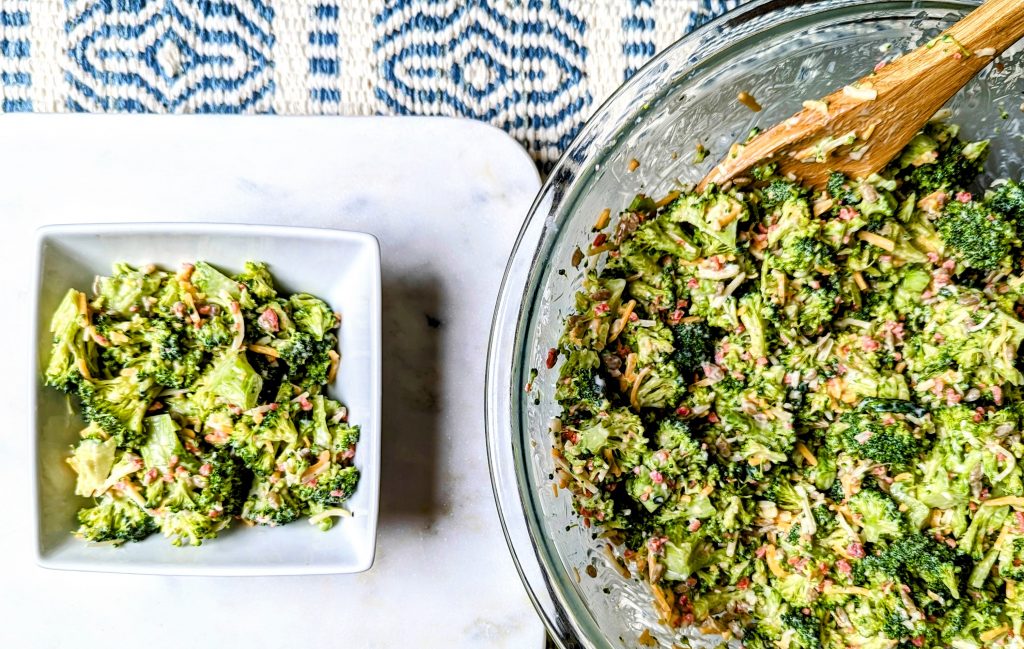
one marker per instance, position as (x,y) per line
(535,68)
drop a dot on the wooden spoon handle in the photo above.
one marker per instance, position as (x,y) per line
(996,23)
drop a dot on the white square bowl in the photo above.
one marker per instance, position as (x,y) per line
(342,268)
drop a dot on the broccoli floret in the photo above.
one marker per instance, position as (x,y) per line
(877,514)
(231,380)
(308,360)
(677,435)
(256,454)
(662,388)
(118,406)
(222,486)
(840,190)
(664,236)
(271,504)
(578,382)
(312,315)
(187,526)
(1008,200)
(801,255)
(70,351)
(694,345)
(817,306)
(783,493)
(617,430)
(217,286)
(332,488)
(1011,559)
(967,619)
(955,167)
(124,290)
(116,519)
(916,556)
(216,331)
(778,191)
(883,438)
(980,238)
(258,282)
(807,630)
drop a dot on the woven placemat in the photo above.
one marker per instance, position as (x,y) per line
(534,68)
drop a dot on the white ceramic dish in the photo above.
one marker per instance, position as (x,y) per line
(341,267)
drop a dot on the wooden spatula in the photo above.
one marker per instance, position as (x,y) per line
(857,130)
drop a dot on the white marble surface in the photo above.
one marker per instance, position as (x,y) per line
(446,199)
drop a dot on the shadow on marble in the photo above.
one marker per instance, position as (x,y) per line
(412,373)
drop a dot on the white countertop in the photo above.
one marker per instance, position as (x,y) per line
(446,199)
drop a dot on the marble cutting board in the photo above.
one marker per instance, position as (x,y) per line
(446,198)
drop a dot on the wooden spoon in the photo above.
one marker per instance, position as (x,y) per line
(857,130)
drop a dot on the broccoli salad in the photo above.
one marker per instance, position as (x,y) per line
(203,395)
(797,415)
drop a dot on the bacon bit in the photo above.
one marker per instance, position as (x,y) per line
(843,566)
(156,405)
(869,344)
(552,357)
(600,239)
(269,320)
(694,525)
(602,308)
(656,544)
(964,197)
(856,550)
(214,513)
(656,477)
(713,418)
(761,551)
(848,213)
(682,411)
(205,469)
(743,583)
(151,475)
(305,404)
(997,395)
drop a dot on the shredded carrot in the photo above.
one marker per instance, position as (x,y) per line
(603,219)
(633,165)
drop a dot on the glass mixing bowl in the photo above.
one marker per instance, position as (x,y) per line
(780,51)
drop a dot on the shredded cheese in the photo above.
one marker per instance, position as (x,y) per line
(877,240)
